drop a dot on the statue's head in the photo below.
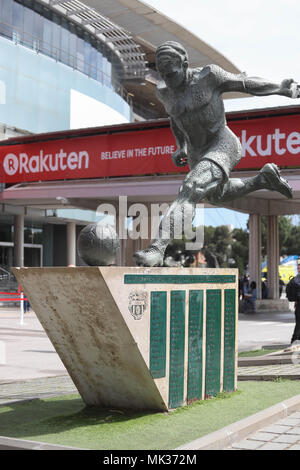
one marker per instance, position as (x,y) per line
(172,63)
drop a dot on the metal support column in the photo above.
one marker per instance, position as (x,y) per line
(71,244)
(255,251)
(273,258)
(19,240)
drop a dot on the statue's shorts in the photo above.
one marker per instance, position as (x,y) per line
(219,160)
(226,151)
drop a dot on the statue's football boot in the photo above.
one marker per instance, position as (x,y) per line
(270,173)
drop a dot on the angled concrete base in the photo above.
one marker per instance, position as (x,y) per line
(139,338)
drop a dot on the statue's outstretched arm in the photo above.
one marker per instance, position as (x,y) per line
(258,86)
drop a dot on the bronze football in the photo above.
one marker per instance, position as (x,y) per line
(98,245)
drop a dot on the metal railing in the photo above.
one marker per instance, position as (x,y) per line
(5,274)
(20,37)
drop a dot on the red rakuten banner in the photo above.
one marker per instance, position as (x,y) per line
(125,154)
(143,152)
(272,139)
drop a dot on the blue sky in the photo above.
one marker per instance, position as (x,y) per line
(218,216)
(260,38)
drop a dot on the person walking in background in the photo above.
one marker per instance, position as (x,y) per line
(296,333)
(240,288)
(26,303)
(264,287)
(245,285)
(26,306)
(281,284)
(250,297)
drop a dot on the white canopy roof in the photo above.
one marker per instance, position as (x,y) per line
(133,23)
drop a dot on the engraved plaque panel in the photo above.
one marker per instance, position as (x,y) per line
(178,278)
(229,340)
(194,384)
(213,342)
(158,320)
(177,336)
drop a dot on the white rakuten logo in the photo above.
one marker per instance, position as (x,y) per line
(48,162)
(278,143)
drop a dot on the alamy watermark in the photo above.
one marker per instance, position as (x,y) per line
(152,221)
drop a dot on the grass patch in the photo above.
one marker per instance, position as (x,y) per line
(65,420)
(257,352)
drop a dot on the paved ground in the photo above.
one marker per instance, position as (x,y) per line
(36,388)
(25,350)
(286,371)
(256,330)
(282,435)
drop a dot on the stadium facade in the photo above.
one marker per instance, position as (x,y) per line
(68,65)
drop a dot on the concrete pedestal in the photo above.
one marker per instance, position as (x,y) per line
(140,338)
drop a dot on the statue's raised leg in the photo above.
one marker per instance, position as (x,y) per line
(207,187)
(268,178)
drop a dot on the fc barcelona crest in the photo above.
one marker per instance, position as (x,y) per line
(137,303)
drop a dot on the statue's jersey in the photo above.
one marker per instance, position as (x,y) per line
(198,117)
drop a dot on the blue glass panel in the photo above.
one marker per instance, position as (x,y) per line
(36,26)
(72,47)
(80,54)
(64,45)
(17,21)
(99,66)
(93,58)
(45,44)
(6,11)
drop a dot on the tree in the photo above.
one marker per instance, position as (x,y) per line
(240,249)
(293,241)
(217,246)
(225,248)
(285,226)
